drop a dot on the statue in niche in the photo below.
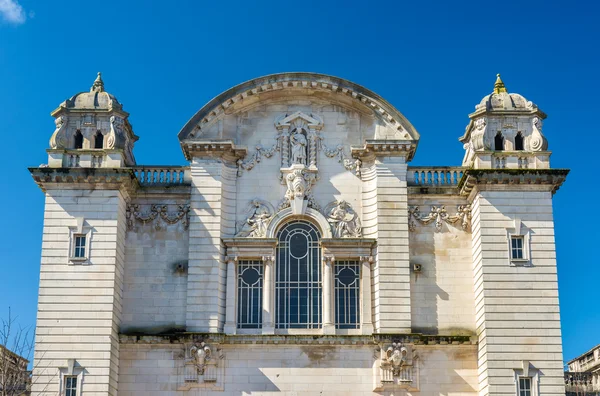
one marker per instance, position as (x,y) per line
(299,143)
(344,220)
(255,226)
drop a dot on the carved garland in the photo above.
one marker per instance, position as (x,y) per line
(439,215)
(157,211)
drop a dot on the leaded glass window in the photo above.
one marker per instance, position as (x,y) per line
(249,292)
(347,294)
(298,285)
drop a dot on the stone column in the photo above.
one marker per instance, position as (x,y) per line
(328,324)
(366,324)
(268,313)
(312,149)
(230,319)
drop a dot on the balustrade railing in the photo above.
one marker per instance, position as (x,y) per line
(582,382)
(162,175)
(438,176)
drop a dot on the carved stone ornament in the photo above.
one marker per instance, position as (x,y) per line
(200,355)
(298,141)
(157,214)
(259,217)
(439,215)
(398,365)
(299,196)
(58,140)
(344,221)
(537,141)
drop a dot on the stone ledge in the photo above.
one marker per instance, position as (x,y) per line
(376,339)
(550,179)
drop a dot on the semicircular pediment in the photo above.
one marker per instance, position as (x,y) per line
(347,111)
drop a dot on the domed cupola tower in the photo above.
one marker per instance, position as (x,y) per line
(505,132)
(92,131)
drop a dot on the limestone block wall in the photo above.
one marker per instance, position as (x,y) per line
(517,309)
(155,369)
(80,305)
(155,277)
(441,293)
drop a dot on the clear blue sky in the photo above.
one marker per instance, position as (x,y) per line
(432,60)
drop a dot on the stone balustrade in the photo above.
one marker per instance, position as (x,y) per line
(438,176)
(582,383)
(163,175)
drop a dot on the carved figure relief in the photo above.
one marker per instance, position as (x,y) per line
(259,217)
(157,214)
(58,140)
(439,215)
(344,221)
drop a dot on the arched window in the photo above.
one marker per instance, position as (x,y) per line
(499,142)
(519,142)
(298,285)
(78,140)
(98,140)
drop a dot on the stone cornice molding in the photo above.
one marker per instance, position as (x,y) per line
(212,149)
(512,179)
(309,82)
(348,248)
(85,178)
(178,339)
(386,148)
(250,248)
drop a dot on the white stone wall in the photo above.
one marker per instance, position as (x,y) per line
(154,288)
(517,307)
(155,370)
(79,308)
(441,294)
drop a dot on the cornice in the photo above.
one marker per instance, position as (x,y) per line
(503,179)
(386,148)
(212,149)
(84,178)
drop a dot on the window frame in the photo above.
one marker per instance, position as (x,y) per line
(524,234)
(339,327)
(72,370)
(527,372)
(249,327)
(75,232)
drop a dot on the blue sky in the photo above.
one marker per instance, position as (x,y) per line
(432,60)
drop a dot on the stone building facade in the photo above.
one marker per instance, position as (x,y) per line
(298,253)
(583,375)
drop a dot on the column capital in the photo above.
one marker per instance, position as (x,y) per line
(367,259)
(232,259)
(328,259)
(268,259)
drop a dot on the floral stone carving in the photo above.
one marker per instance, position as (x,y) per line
(439,215)
(344,221)
(157,214)
(259,217)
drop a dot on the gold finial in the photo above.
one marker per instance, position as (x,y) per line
(98,85)
(499,85)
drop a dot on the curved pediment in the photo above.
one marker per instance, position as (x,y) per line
(240,114)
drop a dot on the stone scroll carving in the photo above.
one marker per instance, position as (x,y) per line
(58,140)
(344,221)
(298,195)
(158,214)
(202,366)
(257,221)
(439,215)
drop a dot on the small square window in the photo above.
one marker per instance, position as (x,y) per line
(70,385)
(79,246)
(524,386)
(516,245)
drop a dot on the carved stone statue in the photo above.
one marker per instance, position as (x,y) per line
(255,226)
(299,143)
(344,220)
(201,355)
